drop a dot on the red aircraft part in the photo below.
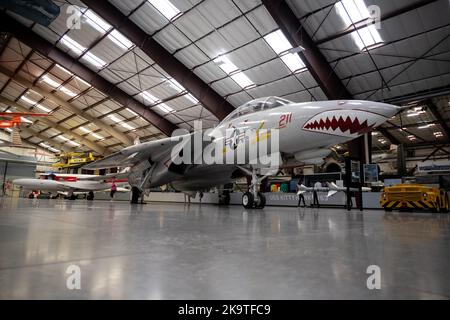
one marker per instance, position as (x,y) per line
(14,119)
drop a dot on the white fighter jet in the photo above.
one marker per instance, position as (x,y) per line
(72,184)
(284,133)
(332,188)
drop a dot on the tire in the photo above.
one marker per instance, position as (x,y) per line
(247,200)
(388,209)
(225,199)
(437,206)
(261,203)
(135,195)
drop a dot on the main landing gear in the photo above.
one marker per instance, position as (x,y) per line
(253,198)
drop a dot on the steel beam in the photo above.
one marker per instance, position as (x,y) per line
(47,49)
(93,146)
(384,131)
(210,99)
(67,106)
(435,112)
(51,142)
(314,60)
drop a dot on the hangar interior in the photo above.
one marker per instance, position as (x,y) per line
(108,75)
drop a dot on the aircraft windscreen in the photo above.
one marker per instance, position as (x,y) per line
(257,105)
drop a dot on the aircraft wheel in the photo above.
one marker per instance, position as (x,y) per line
(388,209)
(135,194)
(261,202)
(248,200)
(437,206)
(224,199)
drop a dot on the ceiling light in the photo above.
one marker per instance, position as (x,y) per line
(411,137)
(120,40)
(375,133)
(166,8)
(72,45)
(96,22)
(94,60)
(242,80)
(438,134)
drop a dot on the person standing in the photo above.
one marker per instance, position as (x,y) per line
(301,197)
(113,190)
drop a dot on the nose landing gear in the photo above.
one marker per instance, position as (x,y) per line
(253,198)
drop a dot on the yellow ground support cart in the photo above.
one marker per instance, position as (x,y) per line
(414,196)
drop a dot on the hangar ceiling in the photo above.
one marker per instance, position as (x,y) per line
(236,51)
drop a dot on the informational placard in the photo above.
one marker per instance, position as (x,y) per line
(370,173)
(356,173)
(433,166)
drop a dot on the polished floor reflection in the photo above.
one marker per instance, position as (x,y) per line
(175,251)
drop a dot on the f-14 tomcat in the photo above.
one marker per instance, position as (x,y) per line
(71,184)
(304,133)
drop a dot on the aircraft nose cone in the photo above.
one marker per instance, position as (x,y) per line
(388,110)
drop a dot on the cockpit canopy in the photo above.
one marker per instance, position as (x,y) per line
(256,105)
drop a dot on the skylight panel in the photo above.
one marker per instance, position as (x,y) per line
(166,8)
(132,112)
(56,85)
(94,60)
(282,47)
(96,22)
(149,97)
(165,108)
(75,144)
(293,62)
(191,98)
(242,80)
(72,45)
(366,37)
(46,146)
(118,121)
(354,11)
(278,41)
(68,73)
(39,106)
(97,136)
(226,65)
(120,40)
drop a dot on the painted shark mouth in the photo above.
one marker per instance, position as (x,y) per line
(348,123)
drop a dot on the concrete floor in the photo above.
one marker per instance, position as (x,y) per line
(172,251)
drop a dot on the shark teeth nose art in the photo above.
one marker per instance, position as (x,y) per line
(341,123)
(353,126)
